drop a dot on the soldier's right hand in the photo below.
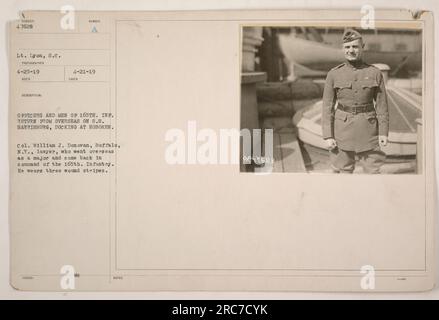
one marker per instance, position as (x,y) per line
(332,144)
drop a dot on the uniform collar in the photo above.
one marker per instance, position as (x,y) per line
(356,65)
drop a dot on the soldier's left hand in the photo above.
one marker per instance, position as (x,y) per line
(383,141)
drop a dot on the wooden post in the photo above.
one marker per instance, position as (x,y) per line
(419,147)
(251,39)
(249,106)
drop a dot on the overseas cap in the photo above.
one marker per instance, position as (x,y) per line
(351,35)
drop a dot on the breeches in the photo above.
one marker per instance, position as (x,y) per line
(344,161)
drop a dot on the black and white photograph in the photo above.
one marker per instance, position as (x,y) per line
(283,152)
(334,99)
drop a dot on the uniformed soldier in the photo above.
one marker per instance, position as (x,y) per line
(355,117)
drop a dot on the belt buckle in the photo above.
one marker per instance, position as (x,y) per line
(354,111)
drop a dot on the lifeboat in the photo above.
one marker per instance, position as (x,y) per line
(315,53)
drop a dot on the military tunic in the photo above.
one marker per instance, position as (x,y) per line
(359,85)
